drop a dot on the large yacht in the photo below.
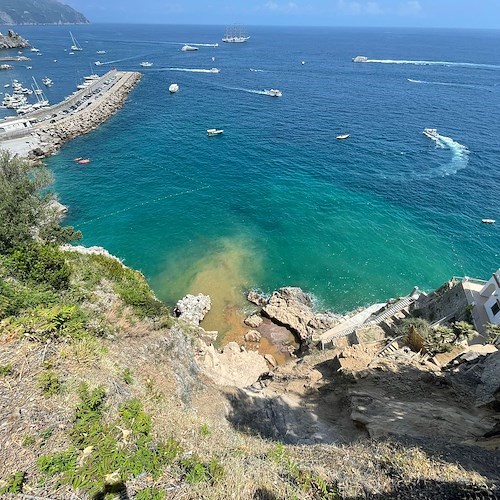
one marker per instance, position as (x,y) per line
(235,34)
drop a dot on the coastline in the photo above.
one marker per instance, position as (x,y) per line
(42,133)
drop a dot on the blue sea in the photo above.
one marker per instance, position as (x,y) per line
(277,199)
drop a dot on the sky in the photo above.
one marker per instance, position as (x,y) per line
(404,13)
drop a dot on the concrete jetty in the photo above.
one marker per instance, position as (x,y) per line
(43,132)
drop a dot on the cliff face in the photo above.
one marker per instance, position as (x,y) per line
(12,41)
(39,12)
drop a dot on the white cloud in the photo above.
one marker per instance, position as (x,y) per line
(410,8)
(280,7)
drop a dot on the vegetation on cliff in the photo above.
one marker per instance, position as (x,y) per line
(101,395)
(39,12)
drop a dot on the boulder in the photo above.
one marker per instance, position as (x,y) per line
(252,336)
(253,321)
(234,366)
(270,359)
(193,308)
(291,307)
(257,297)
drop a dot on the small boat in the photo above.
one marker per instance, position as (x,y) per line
(214,70)
(343,136)
(146,64)
(431,133)
(214,131)
(101,52)
(273,92)
(360,59)
(173,88)
(98,63)
(34,49)
(84,161)
(47,82)
(188,48)
(303,62)
(70,53)
(488,221)
(78,158)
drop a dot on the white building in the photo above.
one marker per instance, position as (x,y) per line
(490,294)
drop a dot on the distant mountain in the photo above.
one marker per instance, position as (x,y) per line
(39,12)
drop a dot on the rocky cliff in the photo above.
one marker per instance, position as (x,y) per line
(12,41)
(39,12)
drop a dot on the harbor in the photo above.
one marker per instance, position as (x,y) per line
(42,132)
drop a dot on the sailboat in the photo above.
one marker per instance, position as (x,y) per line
(76,46)
(235,34)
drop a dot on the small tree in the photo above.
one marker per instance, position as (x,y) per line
(24,209)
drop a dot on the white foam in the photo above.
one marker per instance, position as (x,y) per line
(189,70)
(449,84)
(257,70)
(460,155)
(433,63)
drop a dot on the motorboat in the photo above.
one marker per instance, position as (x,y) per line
(84,161)
(360,59)
(173,88)
(343,136)
(273,92)
(488,221)
(188,48)
(101,52)
(98,63)
(431,133)
(214,131)
(214,70)
(146,64)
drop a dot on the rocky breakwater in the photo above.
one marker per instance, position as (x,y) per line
(293,308)
(53,135)
(13,41)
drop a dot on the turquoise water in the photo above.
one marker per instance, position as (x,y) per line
(277,200)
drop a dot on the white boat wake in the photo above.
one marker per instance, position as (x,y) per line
(460,155)
(249,91)
(124,59)
(257,70)
(450,84)
(190,70)
(433,63)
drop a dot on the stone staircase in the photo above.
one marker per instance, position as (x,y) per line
(386,319)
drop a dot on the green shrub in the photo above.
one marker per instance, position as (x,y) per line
(49,383)
(127,376)
(196,471)
(150,494)
(41,264)
(5,370)
(15,483)
(56,463)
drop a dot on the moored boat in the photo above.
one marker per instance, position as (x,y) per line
(146,64)
(343,136)
(488,221)
(173,88)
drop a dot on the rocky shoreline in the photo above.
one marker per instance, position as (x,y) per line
(12,40)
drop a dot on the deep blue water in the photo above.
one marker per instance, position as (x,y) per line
(277,200)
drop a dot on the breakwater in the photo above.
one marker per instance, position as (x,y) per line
(43,132)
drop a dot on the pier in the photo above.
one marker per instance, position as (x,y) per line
(42,132)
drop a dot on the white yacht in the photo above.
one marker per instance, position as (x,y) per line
(188,48)
(214,70)
(431,133)
(98,63)
(173,88)
(101,52)
(488,221)
(214,131)
(146,64)
(273,92)
(343,136)
(76,46)
(47,82)
(360,59)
